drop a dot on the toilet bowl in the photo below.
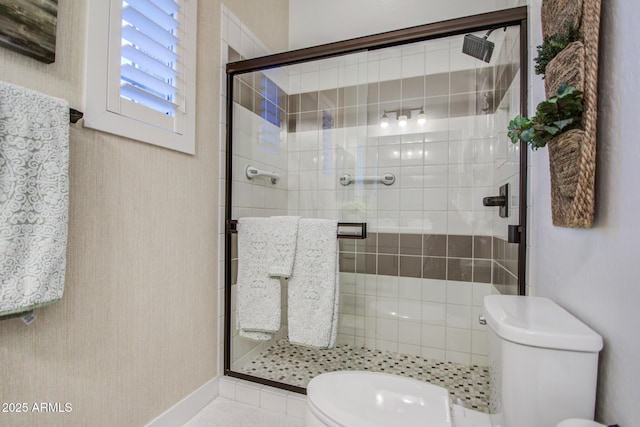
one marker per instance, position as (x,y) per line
(535,347)
(362,398)
(371,399)
(575,422)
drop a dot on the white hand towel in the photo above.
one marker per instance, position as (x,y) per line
(258,295)
(313,287)
(34,198)
(282,245)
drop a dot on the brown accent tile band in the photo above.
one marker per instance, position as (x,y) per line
(481,259)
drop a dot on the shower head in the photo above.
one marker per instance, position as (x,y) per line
(479,48)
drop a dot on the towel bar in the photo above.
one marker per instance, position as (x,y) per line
(75,115)
(232,227)
(15,315)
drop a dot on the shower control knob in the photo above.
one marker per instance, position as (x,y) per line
(482,320)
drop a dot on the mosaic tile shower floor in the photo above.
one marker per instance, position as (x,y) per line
(296,365)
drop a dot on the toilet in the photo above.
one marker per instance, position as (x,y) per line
(543,370)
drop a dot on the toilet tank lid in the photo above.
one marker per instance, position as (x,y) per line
(538,322)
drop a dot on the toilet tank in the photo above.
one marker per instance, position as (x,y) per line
(543,362)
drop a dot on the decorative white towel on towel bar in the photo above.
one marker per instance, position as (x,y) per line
(282,245)
(313,287)
(258,305)
(34,196)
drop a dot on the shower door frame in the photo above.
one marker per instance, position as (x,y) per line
(503,18)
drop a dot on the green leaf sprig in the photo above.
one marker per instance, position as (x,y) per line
(560,113)
(554,44)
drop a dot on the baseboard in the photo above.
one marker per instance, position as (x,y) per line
(188,407)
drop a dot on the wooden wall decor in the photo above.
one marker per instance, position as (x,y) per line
(572,155)
(29,27)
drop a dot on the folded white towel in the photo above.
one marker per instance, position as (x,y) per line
(313,287)
(258,295)
(34,198)
(281,246)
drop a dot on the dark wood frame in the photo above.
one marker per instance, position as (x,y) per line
(29,29)
(503,18)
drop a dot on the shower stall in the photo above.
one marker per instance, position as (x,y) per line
(401,138)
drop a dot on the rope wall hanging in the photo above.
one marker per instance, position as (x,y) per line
(572,154)
(566,120)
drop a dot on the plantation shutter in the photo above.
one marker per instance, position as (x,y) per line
(141,70)
(148,71)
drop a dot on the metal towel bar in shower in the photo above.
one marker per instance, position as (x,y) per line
(386,179)
(232,227)
(253,172)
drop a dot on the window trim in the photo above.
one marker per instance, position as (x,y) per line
(107,112)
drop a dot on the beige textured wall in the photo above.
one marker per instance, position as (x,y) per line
(136,329)
(267,19)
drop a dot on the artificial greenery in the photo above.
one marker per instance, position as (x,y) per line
(560,113)
(554,44)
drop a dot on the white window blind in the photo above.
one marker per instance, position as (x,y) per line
(141,70)
(148,65)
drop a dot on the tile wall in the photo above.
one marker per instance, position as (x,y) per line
(429,256)
(443,168)
(269,398)
(416,284)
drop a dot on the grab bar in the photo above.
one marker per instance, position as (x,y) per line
(253,172)
(386,179)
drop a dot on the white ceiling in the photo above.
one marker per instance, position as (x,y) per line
(313,22)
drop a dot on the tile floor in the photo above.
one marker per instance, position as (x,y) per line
(297,365)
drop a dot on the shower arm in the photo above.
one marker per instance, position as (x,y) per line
(486,36)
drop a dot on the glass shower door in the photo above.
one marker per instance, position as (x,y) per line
(409,140)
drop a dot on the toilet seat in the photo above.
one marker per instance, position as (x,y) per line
(368,399)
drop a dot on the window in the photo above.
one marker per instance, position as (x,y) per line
(270,101)
(140,80)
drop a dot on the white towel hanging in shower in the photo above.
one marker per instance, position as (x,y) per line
(34,198)
(258,295)
(313,288)
(282,245)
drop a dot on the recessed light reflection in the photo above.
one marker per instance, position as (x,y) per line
(422,117)
(388,397)
(413,400)
(384,122)
(379,399)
